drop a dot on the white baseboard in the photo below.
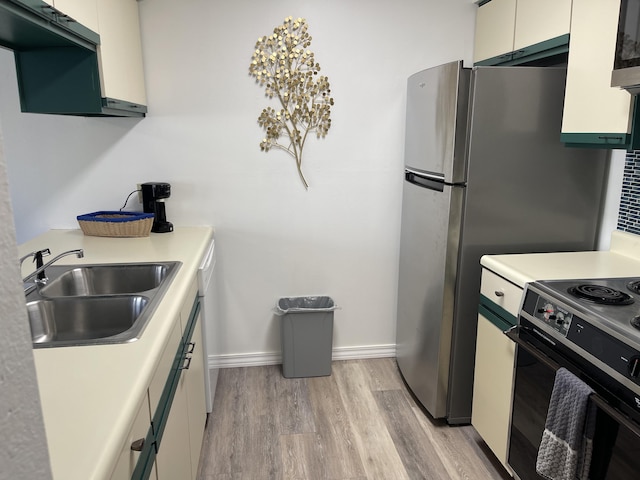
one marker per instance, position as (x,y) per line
(275,358)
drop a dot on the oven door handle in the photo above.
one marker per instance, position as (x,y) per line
(601,403)
(514,334)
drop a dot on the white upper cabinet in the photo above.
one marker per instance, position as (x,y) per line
(120,51)
(111,31)
(82,11)
(495,27)
(541,20)
(594,112)
(507,29)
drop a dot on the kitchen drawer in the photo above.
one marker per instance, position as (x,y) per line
(501,292)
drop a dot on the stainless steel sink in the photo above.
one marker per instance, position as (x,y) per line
(104,279)
(87,319)
(97,304)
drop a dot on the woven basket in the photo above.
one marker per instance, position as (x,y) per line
(116,224)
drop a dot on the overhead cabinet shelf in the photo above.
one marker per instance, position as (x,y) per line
(59,64)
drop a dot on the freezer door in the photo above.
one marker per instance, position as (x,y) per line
(428,252)
(437,101)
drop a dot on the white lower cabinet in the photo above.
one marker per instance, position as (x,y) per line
(495,353)
(165,439)
(134,444)
(179,449)
(174,457)
(177,397)
(195,387)
(492,387)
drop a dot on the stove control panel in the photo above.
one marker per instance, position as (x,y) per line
(553,315)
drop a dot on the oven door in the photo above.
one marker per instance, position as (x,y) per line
(616,449)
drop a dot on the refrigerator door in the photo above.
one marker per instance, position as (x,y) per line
(436,118)
(526,192)
(428,251)
(432,202)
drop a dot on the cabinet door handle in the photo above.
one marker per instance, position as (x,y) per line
(605,137)
(192,347)
(187,364)
(137,445)
(499,293)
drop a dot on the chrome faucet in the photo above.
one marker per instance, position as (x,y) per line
(37,258)
(40,270)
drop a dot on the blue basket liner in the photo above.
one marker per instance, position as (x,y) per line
(106,216)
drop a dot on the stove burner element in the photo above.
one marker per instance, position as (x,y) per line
(601,294)
(635,322)
(634,286)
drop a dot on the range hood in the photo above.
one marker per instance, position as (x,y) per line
(627,79)
(56,62)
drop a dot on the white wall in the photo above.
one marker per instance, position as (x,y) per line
(23,446)
(274,239)
(611,198)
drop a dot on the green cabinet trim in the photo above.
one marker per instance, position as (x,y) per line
(497,315)
(548,48)
(160,416)
(596,140)
(482,2)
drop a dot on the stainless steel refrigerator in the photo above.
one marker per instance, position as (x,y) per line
(485,173)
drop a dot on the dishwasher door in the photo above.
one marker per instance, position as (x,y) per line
(208,305)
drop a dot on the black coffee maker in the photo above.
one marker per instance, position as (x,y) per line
(153,196)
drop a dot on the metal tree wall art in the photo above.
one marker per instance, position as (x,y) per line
(284,65)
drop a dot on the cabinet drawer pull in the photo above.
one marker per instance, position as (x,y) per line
(137,445)
(499,293)
(187,364)
(192,347)
(605,137)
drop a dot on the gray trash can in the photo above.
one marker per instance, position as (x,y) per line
(307,336)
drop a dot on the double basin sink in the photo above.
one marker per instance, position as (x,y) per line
(96,304)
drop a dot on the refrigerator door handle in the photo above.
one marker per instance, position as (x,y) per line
(430,180)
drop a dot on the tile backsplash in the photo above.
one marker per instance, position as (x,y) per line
(629,213)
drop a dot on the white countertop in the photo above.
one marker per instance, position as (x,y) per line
(622,260)
(90,394)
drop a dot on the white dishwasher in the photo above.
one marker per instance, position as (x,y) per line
(208,305)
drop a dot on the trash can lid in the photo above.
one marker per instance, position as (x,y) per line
(305,304)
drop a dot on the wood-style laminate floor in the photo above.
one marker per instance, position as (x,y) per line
(359,423)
